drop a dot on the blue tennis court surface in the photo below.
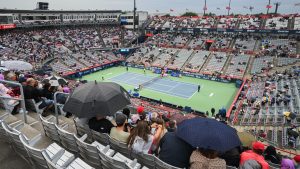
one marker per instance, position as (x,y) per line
(164,85)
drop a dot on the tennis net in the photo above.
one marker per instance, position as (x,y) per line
(149,82)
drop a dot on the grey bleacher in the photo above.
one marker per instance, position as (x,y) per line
(188,23)
(283,61)
(238,65)
(197,61)
(249,23)
(277,23)
(227,23)
(180,59)
(60,67)
(217,62)
(246,44)
(205,23)
(297,23)
(164,58)
(261,63)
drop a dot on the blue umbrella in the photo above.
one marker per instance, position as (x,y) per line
(208,134)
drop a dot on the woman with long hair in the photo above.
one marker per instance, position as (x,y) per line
(141,139)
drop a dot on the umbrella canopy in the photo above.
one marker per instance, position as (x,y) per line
(55,80)
(246,138)
(208,134)
(17,65)
(289,115)
(91,99)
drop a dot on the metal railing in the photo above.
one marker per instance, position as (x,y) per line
(56,104)
(21,98)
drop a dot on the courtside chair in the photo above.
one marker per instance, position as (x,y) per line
(67,139)
(102,138)
(159,164)
(145,159)
(119,147)
(50,128)
(88,152)
(78,164)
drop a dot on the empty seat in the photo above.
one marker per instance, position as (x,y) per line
(78,164)
(106,155)
(102,138)
(145,159)
(119,147)
(67,139)
(88,151)
(50,128)
(61,159)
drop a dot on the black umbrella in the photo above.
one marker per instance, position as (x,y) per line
(91,99)
(55,80)
(208,134)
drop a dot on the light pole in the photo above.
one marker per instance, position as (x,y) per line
(134,13)
(268,6)
(229,7)
(204,8)
(277,4)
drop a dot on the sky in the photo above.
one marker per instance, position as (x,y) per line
(163,6)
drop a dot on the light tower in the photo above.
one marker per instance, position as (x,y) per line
(134,13)
(277,4)
(268,6)
(228,7)
(205,7)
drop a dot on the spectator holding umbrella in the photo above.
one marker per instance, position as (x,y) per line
(100,124)
(297,161)
(206,158)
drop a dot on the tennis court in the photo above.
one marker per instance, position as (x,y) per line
(164,85)
(179,91)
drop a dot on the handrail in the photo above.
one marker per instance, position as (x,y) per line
(21,99)
(55,104)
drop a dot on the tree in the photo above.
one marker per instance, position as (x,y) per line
(190,14)
(167,15)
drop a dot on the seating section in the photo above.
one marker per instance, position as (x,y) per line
(297,23)
(164,57)
(245,44)
(277,23)
(238,66)
(261,64)
(197,61)
(180,59)
(216,62)
(227,23)
(249,22)
(282,61)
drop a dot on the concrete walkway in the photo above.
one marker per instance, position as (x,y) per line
(10,160)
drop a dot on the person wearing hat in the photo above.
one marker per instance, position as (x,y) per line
(118,132)
(297,161)
(255,154)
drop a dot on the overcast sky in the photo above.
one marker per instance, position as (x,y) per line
(179,6)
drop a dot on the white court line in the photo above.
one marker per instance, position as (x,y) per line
(109,73)
(211,94)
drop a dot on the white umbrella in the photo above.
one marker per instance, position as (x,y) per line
(17,65)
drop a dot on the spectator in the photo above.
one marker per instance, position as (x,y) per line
(172,126)
(100,124)
(206,159)
(174,151)
(140,138)
(250,164)
(118,132)
(287,164)
(271,155)
(297,161)
(255,154)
